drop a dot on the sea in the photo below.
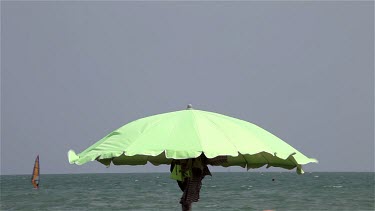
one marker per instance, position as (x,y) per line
(280,191)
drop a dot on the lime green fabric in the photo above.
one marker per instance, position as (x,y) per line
(176,173)
(187,134)
(179,174)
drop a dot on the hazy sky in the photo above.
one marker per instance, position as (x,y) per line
(71,72)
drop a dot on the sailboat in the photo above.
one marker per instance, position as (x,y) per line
(35,176)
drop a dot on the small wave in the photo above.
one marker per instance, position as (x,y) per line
(214,205)
(333,186)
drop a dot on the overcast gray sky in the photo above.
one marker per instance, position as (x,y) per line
(71,72)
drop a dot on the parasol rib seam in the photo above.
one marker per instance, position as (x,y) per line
(235,123)
(247,164)
(268,162)
(219,129)
(116,131)
(170,133)
(197,131)
(153,125)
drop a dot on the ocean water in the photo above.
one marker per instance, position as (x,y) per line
(222,191)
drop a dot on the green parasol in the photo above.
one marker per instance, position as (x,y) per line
(190,140)
(185,134)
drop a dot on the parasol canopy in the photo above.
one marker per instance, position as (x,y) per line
(187,134)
